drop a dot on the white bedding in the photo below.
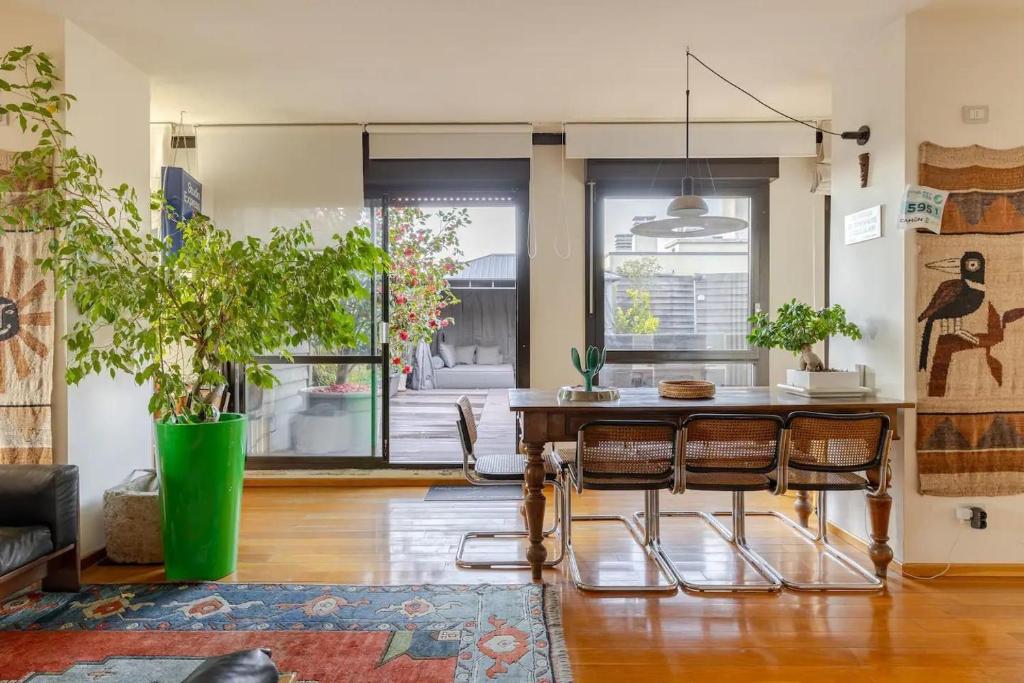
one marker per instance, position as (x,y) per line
(476,377)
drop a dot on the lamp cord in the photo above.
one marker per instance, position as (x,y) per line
(690,55)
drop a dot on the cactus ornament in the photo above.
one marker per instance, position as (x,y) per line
(595,361)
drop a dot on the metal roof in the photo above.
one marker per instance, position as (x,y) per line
(489,267)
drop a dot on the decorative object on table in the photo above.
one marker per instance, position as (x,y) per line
(922,208)
(154,632)
(173,320)
(970,302)
(864,162)
(796,328)
(686,388)
(26,331)
(588,366)
(131,520)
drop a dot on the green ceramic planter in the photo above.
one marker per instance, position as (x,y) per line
(201,468)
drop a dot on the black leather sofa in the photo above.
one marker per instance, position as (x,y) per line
(39,527)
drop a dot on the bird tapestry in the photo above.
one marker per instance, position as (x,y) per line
(26,345)
(970,323)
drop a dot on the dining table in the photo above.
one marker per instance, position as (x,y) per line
(544,419)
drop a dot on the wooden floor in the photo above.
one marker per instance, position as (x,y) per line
(423,425)
(952,629)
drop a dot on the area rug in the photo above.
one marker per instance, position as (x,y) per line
(159,633)
(970,304)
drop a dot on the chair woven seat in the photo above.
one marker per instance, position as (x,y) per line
(510,467)
(727,481)
(807,480)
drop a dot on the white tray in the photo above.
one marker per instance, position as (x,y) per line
(844,392)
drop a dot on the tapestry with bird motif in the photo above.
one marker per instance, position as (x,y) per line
(26,346)
(970,324)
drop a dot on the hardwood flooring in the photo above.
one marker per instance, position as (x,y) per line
(423,425)
(949,629)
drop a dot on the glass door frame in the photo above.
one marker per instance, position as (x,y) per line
(663,178)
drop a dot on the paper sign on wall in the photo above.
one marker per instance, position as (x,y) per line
(922,208)
(863,225)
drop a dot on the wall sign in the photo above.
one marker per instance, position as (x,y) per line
(185,197)
(863,225)
(922,208)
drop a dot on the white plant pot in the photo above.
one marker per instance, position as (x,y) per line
(833,379)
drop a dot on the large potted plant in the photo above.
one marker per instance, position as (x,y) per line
(173,320)
(422,261)
(797,328)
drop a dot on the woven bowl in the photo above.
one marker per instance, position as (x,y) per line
(686,388)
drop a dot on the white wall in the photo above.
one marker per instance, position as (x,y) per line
(796,249)
(954,58)
(557,295)
(20,26)
(108,428)
(868,279)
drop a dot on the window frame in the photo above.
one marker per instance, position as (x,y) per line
(663,178)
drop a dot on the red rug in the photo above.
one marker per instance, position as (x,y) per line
(160,633)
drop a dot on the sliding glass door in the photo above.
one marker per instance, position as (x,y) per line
(674,307)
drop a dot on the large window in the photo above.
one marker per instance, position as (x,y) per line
(675,307)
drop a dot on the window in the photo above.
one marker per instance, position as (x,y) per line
(675,308)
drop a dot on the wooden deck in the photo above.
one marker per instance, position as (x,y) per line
(423,425)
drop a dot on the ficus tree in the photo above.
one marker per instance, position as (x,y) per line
(797,327)
(170,319)
(423,258)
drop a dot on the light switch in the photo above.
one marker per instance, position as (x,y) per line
(975,113)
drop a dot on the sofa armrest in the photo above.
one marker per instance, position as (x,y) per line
(41,494)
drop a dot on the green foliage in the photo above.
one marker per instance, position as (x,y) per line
(422,261)
(797,327)
(594,362)
(637,318)
(170,319)
(639,269)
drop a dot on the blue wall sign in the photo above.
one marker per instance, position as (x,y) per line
(185,197)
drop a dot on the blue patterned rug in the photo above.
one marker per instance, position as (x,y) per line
(322,633)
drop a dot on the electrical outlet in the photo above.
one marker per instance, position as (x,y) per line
(975,113)
(973,514)
(963,513)
(5,118)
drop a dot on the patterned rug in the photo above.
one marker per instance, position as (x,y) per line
(159,633)
(970,304)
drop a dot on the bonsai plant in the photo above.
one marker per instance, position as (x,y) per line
(173,320)
(422,260)
(796,328)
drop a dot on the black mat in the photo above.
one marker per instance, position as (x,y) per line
(471,493)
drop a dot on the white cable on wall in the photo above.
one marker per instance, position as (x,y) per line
(561,209)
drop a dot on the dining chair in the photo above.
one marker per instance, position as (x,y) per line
(825,452)
(738,454)
(497,469)
(614,455)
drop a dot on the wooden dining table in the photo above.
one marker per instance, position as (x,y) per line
(545,419)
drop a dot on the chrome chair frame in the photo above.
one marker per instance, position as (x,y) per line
(820,539)
(647,536)
(737,536)
(475,480)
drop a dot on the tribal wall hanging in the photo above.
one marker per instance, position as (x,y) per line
(26,346)
(970,305)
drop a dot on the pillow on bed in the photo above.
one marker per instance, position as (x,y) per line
(465,355)
(488,355)
(447,352)
(437,362)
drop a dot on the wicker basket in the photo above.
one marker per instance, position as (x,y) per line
(686,388)
(131,516)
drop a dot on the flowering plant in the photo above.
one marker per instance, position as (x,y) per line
(422,260)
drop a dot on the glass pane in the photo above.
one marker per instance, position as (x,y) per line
(649,374)
(675,293)
(316,410)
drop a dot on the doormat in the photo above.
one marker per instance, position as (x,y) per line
(321,633)
(474,493)
(970,305)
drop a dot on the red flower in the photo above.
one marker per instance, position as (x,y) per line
(403,335)
(406,370)
(408,251)
(400,300)
(413,282)
(433,323)
(396,361)
(444,323)
(412,316)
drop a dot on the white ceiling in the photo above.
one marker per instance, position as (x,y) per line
(478,60)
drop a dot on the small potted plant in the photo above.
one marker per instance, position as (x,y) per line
(796,328)
(174,319)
